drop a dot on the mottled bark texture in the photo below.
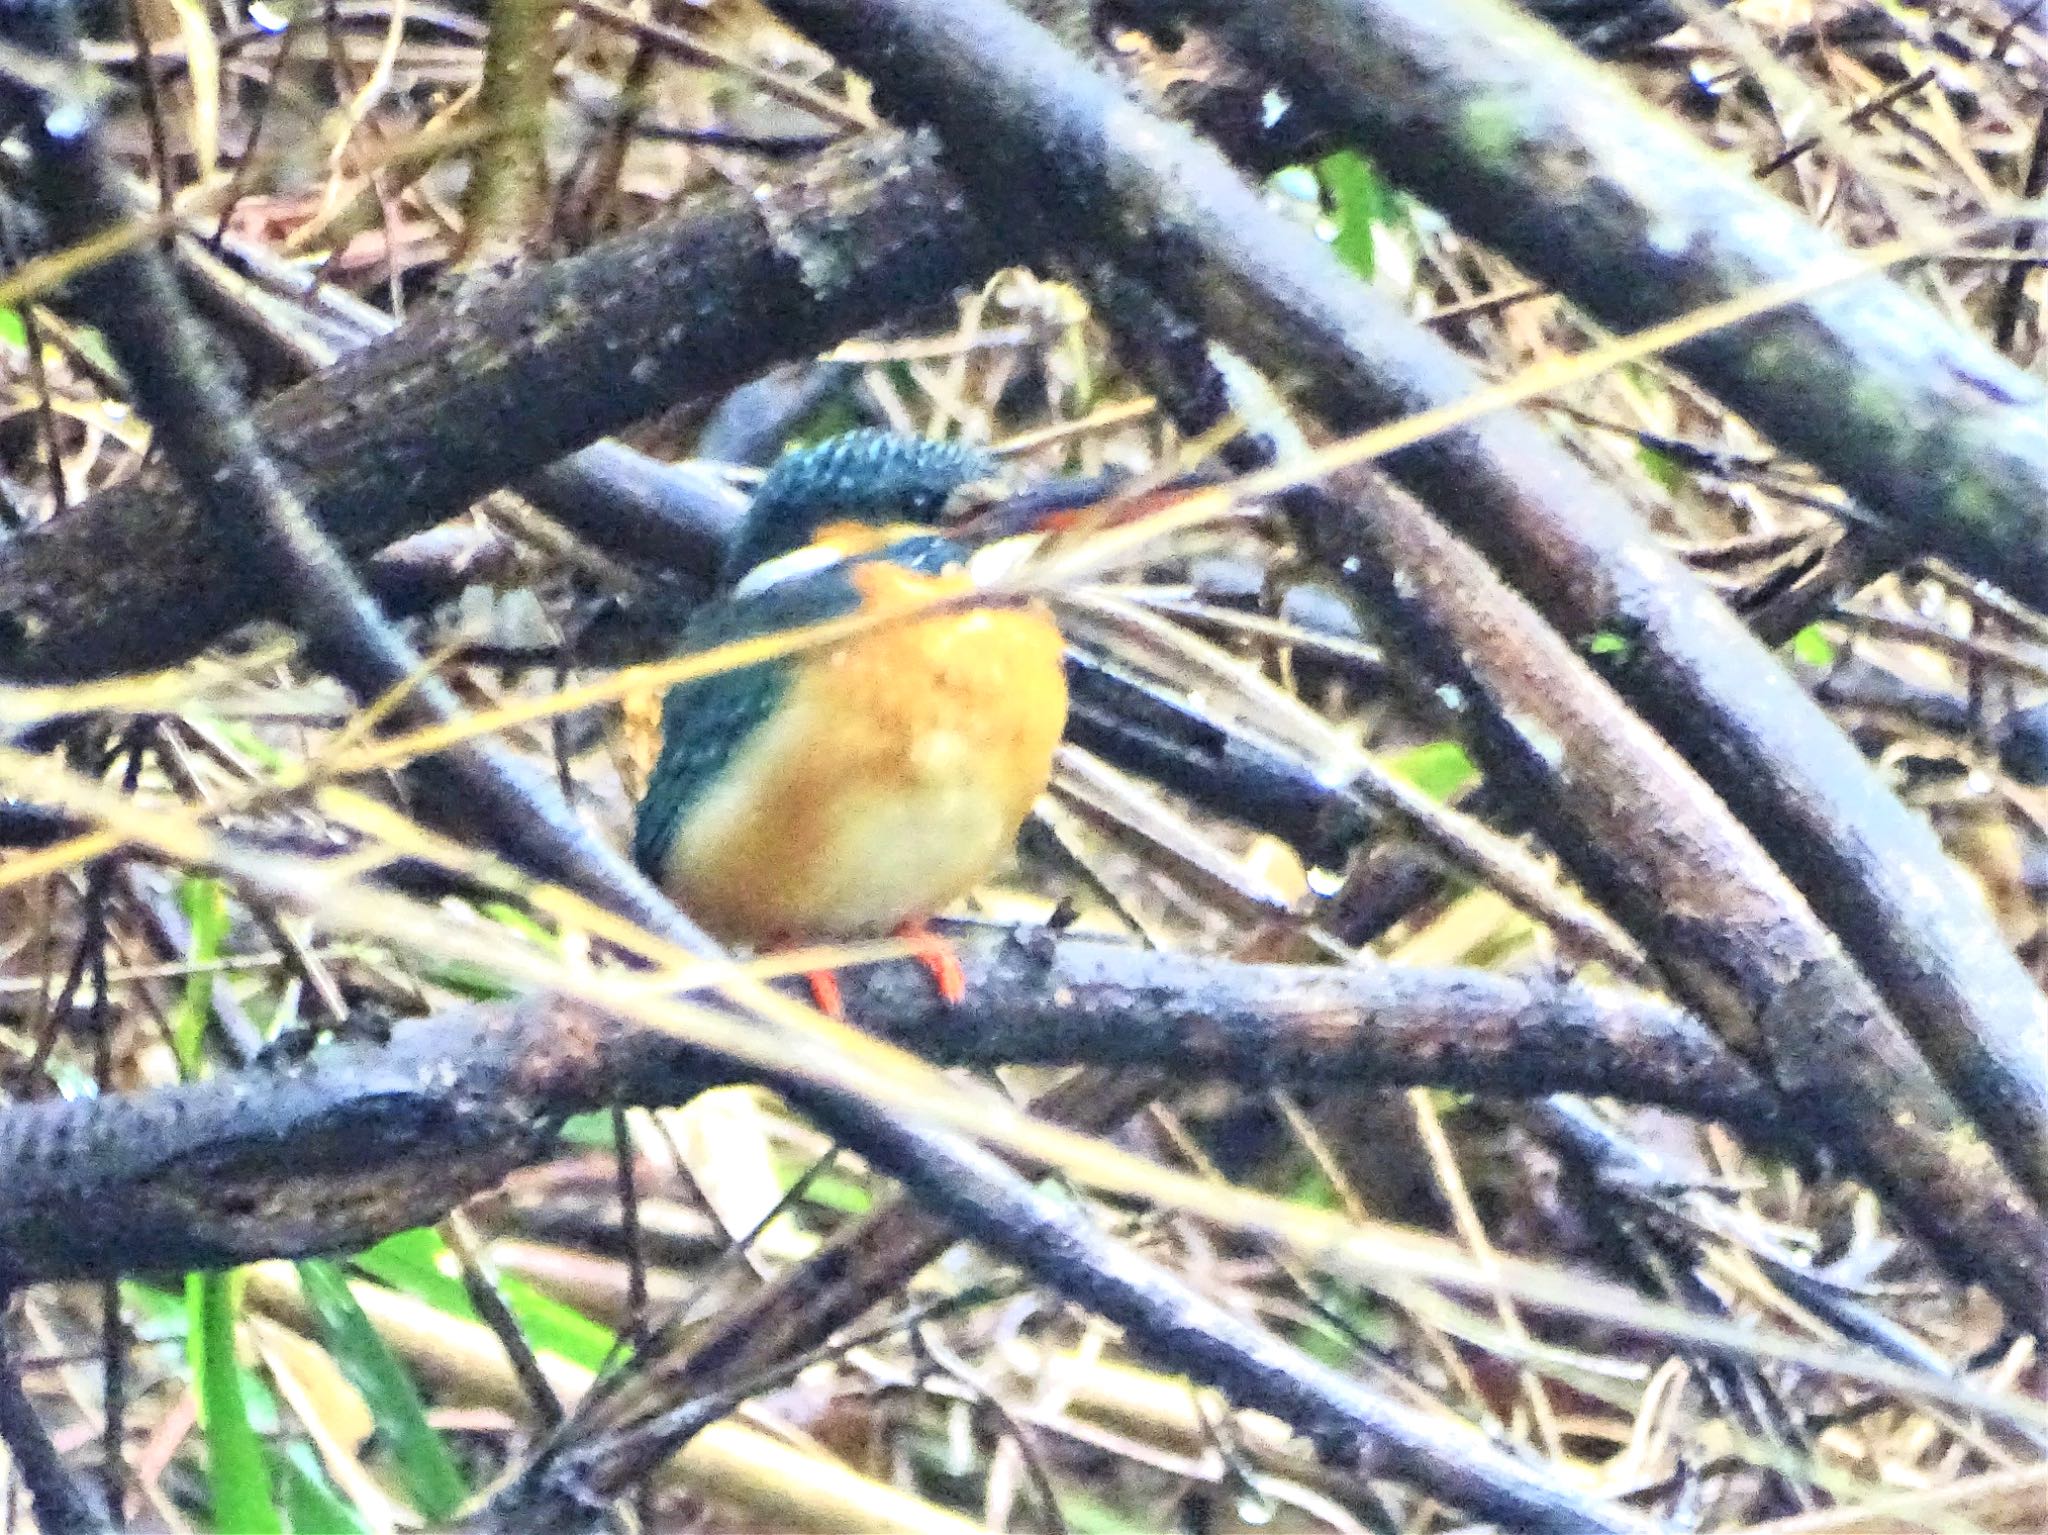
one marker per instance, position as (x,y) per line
(364,1140)
(492,386)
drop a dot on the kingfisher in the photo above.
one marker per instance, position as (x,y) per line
(858,788)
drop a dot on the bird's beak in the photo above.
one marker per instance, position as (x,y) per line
(1077,503)
(1038,508)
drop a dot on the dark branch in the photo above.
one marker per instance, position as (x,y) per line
(364,1140)
(404,433)
(1552,162)
(626,1428)
(61,1503)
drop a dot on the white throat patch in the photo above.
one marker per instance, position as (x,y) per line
(787,567)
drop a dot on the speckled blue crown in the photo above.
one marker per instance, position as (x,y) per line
(862,476)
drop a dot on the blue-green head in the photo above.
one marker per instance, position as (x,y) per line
(867,476)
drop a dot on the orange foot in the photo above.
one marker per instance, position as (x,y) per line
(938,959)
(825,993)
(931,951)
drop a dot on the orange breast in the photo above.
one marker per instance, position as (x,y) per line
(894,776)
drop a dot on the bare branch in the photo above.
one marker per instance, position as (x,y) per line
(364,1140)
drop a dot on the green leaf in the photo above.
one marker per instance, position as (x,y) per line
(162,1309)
(827,1190)
(311,1502)
(1314,1190)
(426,1470)
(1607,643)
(507,915)
(417,1262)
(12,332)
(244,740)
(477,982)
(1353,1317)
(592,1131)
(1661,468)
(838,414)
(238,1478)
(1360,204)
(1087,1515)
(1438,768)
(468,980)
(842,1196)
(201,900)
(94,346)
(1813,647)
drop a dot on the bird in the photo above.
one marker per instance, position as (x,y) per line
(856,788)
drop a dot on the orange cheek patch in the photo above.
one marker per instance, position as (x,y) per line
(853,539)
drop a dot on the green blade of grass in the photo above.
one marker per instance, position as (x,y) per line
(427,1472)
(1662,468)
(827,1190)
(474,982)
(311,1502)
(415,1262)
(238,1478)
(204,908)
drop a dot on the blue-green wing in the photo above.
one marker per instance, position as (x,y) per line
(707,721)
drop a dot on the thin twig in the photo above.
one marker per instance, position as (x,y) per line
(61,1504)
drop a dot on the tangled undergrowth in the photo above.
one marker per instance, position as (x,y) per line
(1426,1081)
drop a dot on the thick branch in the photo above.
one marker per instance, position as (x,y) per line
(505,205)
(62,1506)
(364,1140)
(1551,161)
(494,386)
(670,517)
(1653,843)
(610,1445)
